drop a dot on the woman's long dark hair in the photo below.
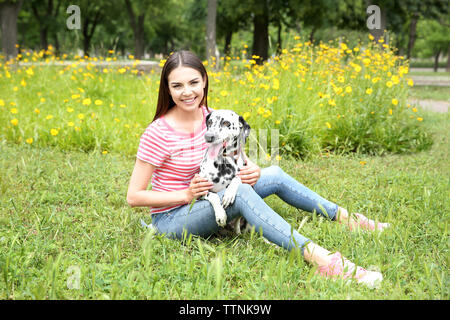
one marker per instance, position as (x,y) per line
(177,59)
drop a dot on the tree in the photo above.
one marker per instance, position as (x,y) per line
(92,13)
(211,32)
(45,13)
(9,10)
(433,40)
(137,13)
(231,17)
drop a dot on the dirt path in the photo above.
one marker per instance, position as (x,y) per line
(433,105)
(441,81)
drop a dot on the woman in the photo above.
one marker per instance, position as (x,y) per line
(170,152)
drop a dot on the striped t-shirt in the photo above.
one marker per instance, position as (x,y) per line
(176,155)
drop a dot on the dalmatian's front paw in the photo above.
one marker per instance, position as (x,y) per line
(228,197)
(221,216)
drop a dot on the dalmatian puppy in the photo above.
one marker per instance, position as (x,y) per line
(226,135)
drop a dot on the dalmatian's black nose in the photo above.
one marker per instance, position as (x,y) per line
(209,137)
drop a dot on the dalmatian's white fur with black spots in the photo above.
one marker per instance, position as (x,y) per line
(226,135)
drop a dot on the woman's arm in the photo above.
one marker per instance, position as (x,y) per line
(139,196)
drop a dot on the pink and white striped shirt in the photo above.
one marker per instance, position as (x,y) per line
(176,155)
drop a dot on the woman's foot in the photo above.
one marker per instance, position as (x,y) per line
(358,220)
(339,266)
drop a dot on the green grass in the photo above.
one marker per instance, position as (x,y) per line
(430,92)
(64,212)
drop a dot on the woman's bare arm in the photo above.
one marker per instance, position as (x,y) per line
(139,196)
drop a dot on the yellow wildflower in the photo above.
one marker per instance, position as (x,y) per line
(14,110)
(29,72)
(276,84)
(54,132)
(87,101)
(98,102)
(369,91)
(29,140)
(14,122)
(394,102)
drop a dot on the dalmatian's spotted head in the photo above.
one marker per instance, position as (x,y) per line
(224,130)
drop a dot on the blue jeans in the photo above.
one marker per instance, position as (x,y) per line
(249,203)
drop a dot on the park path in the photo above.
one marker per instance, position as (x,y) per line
(432,105)
(438,79)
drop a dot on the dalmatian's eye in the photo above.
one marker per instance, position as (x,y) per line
(226,123)
(209,123)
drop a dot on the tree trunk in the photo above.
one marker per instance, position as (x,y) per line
(86,45)
(412,34)
(261,34)
(227,47)
(436,61)
(311,35)
(57,52)
(137,25)
(279,44)
(447,68)
(8,17)
(139,40)
(211,32)
(44,41)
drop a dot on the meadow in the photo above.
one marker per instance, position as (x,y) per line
(68,139)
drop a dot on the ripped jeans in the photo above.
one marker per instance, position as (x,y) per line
(249,203)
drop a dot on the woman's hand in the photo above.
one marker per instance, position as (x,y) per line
(250,173)
(198,187)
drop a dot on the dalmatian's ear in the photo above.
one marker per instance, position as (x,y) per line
(207,118)
(244,128)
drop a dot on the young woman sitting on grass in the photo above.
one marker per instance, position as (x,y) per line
(170,152)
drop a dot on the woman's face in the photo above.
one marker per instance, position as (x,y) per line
(186,87)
